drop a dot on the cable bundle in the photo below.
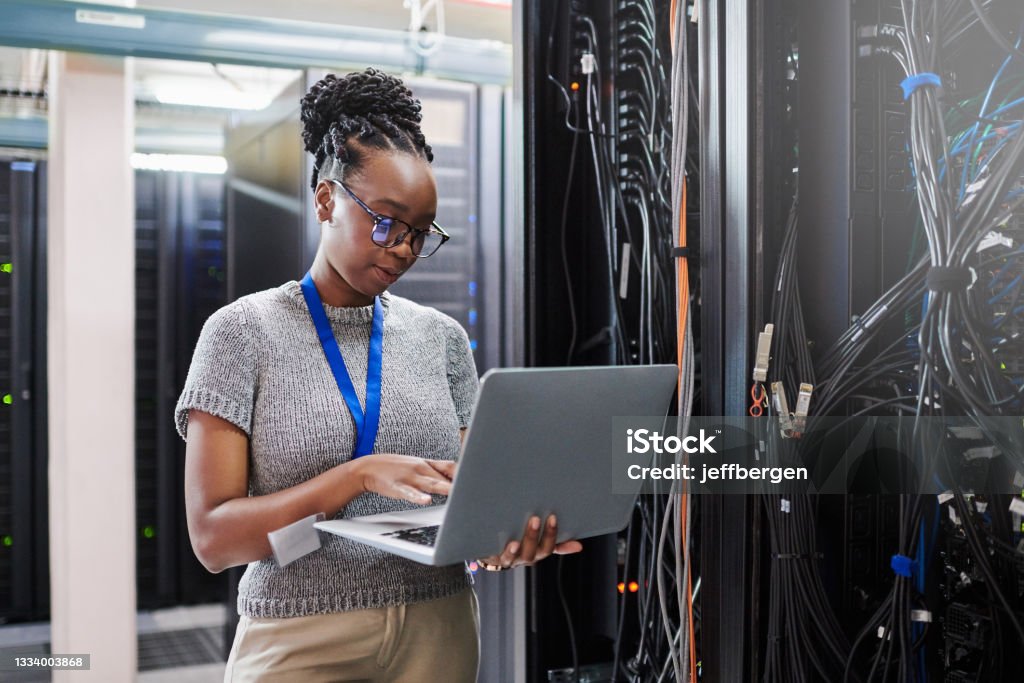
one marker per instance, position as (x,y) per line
(959,351)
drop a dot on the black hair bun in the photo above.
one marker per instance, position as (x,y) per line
(360,104)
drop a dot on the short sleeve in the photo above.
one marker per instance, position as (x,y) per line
(222,377)
(462,378)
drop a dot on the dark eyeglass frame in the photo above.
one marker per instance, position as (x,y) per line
(380,217)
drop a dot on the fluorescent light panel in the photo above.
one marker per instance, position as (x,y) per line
(195,94)
(182,163)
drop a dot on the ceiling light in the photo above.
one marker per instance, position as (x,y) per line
(198,94)
(182,163)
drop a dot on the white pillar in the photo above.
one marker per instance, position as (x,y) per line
(91,319)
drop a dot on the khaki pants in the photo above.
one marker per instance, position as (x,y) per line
(422,642)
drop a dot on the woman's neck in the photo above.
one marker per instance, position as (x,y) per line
(333,289)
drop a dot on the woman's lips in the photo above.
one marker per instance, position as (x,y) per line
(386,277)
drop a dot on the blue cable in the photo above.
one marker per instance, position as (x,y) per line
(1004,132)
(1006,290)
(981,112)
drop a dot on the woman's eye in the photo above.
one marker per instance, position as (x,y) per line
(382,229)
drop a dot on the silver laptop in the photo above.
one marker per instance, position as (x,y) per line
(539,443)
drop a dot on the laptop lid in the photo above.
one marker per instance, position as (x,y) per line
(540,442)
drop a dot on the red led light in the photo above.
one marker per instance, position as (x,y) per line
(622,587)
(574,86)
(634,586)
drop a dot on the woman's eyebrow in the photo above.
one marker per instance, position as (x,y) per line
(399,206)
(393,203)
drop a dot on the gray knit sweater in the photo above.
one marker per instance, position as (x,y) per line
(259,365)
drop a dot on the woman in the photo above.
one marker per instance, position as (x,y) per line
(273,414)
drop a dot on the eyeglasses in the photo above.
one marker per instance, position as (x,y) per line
(389,232)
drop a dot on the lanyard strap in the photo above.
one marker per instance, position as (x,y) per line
(366,425)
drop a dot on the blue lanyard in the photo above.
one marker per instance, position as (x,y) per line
(366,425)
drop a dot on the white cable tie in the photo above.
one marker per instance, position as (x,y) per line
(1018,480)
(1017,506)
(921,615)
(785,505)
(945,497)
(981,506)
(953,517)
(971,190)
(993,238)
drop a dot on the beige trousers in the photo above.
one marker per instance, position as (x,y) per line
(425,641)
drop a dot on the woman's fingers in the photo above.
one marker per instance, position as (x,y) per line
(547,543)
(508,556)
(532,549)
(433,484)
(568,548)
(406,492)
(531,539)
(445,467)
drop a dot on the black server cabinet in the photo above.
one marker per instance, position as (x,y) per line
(24,552)
(270,238)
(594,203)
(450,281)
(180,280)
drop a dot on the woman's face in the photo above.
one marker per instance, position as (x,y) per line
(394,184)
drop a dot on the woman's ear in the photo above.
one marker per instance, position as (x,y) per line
(323,201)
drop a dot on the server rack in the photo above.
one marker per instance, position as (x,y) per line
(180,280)
(598,281)
(849,120)
(24,551)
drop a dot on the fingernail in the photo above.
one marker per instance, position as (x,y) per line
(535,523)
(513,547)
(552,522)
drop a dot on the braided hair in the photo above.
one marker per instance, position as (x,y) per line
(370,107)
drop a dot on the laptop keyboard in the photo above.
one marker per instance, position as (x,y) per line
(424,535)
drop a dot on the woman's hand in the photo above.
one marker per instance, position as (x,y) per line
(534,547)
(405,477)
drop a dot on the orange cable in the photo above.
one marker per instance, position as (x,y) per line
(683,295)
(672,26)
